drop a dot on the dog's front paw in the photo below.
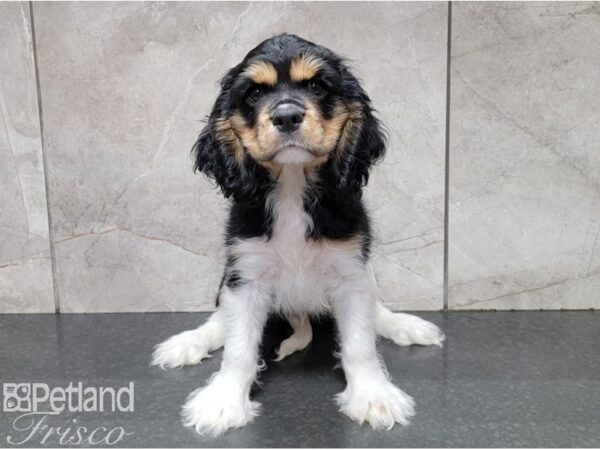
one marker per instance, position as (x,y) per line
(380,405)
(406,329)
(218,407)
(189,347)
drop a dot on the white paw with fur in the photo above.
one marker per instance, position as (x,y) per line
(406,329)
(219,406)
(189,347)
(381,404)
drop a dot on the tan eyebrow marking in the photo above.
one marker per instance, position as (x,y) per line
(262,72)
(305,67)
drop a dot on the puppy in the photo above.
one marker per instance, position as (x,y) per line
(290,141)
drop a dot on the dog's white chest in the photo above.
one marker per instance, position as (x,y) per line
(296,270)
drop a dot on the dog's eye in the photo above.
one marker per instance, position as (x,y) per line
(316,88)
(254,95)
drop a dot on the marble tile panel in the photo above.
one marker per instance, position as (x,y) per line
(25,263)
(525,156)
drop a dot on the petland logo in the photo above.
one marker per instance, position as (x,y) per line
(38,404)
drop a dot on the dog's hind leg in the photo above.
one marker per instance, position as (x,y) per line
(300,338)
(406,329)
(191,346)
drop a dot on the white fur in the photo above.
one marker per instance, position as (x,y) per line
(406,329)
(293,155)
(369,395)
(300,338)
(295,276)
(192,346)
(296,270)
(225,401)
(219,406)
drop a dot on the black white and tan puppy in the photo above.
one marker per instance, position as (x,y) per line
(290,141)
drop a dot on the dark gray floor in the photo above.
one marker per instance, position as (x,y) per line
(526,379)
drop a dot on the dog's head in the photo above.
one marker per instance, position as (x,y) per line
(288,102)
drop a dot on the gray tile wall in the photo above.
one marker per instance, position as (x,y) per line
(124,86)
(25,266)
(525,156)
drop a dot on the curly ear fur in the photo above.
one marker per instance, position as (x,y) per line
(215,156)
(363,140)
(244,180)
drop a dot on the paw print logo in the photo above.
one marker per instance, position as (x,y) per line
(17,397)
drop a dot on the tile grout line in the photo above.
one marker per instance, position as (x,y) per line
(44,164)
(447,156)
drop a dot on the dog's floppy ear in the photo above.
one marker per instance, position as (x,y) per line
(219,154)
(363,139)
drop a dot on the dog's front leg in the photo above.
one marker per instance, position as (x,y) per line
(369,395)
(225,402)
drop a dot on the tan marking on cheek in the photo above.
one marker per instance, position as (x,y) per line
(246,134)
(312,128)
(258,141)
(352,127)
(268,137)
(333,127)
(225,131)
(305,67)
(322,134)
(262,72)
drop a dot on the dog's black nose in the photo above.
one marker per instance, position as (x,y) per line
(287,117)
